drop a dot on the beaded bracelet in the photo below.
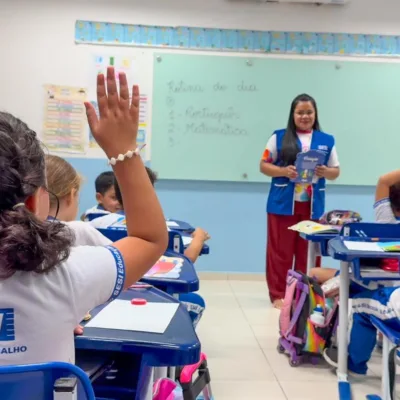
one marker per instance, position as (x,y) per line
(128,154)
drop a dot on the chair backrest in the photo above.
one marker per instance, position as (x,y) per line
(36,381)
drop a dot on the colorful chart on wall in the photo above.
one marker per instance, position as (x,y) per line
(64,122)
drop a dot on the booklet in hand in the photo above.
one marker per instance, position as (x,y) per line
(306,163)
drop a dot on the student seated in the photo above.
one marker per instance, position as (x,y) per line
(387,211)
(194,302)
(382,298)
(46,285)
(63,184)
(199,236)
(105,196)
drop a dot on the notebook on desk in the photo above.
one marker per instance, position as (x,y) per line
(311,227)
(122,315)
(388,247)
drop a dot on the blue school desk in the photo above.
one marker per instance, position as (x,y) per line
(352,259)
(132,358)
(317,246)
(181,226)
(187,282)
(175,242)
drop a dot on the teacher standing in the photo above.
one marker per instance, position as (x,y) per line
(289,203)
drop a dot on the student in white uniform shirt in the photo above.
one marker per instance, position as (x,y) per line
(46,285)
(63,184)
(105,196)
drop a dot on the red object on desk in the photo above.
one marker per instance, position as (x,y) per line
(139,302)
(390,265)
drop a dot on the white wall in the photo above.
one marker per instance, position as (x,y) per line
(360,16)
(37,45)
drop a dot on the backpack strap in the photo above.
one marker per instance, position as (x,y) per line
(286,321)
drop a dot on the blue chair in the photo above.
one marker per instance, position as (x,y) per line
(44,382)
(391,343)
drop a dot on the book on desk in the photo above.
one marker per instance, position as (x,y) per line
(311,227)
(380,246)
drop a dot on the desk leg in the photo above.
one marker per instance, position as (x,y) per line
(171,373)
(145,388)
(160,372)
(312,255)
(387,347)
(343,322)
(172,370)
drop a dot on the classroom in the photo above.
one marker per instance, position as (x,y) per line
(268,130)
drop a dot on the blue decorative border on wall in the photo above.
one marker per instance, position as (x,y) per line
(244,41)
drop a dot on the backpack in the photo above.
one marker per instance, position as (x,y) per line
(299,336)
(340,217)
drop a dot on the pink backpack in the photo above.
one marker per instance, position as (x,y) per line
(166,389)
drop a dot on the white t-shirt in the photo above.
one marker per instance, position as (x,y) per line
(301,192)
(39,312)
(384,212)
(110,220)
(87,235)
(95,210)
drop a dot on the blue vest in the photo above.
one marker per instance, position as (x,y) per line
(281,194)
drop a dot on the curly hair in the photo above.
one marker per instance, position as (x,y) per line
(26,242)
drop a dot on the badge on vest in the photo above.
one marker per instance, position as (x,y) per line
(323,147)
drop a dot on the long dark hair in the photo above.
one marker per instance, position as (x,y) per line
(290,148)
(26,242)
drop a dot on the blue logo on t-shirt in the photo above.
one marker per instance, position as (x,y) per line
(7,331)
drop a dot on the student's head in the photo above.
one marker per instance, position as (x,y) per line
(303,116)
(27,241)
(105,192)
(153,179)
(63,183)
(394,197)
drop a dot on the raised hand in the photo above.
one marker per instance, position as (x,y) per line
(115,130)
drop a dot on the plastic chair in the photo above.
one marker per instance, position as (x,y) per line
(391,342)
(48,381)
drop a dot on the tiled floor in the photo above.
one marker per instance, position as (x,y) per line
(239,333)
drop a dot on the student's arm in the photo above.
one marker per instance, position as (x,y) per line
(116,131)
(269,157)
(382,207)
(194,249)
(384,184)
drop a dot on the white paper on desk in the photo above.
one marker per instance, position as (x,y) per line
(186,240)
(122,315)
(107,221)
(172,224)
(362,246)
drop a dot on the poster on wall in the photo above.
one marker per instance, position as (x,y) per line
(64,119)
(133,69)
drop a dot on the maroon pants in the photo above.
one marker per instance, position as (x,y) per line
(283,245)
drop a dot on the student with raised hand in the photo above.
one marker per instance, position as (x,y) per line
(46,285)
